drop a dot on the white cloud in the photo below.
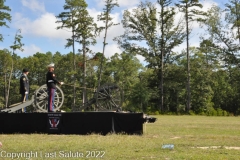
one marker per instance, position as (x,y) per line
(140,58)
(122,3)
(207,4)
(110,49)
(34,5)
(112,31)
(197,31)
(128,3)
(93,13)
(30,50)
(44,26)
(194,25)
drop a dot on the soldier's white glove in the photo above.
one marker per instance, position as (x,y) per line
(61,83)
(26,92)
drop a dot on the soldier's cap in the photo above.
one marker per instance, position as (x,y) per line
(25,70)
(50,65)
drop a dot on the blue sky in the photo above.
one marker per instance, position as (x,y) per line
(36,19)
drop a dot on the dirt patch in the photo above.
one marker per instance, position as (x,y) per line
(175,137)
(218,147)
(209,147)
(237,148)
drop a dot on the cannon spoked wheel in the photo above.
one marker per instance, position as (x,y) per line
(41,99)
(108,97)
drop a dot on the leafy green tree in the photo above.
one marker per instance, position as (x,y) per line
(14,96)
(168,40)
(140,94)
(37,65)
(226,90)
(5,67)
(107,20)
(86,34)
(143,26)
(4,16)
(190,9)
(123,70)
(175,90)
(65,72)
(233,16)
(83,31)
(221,35)
(201,82)
(67,20)
(208,48)
(16,46)
(227,47)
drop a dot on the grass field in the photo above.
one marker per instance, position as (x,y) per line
(193,137)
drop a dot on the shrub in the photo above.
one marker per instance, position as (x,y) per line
(211,111)
(225,113)
(191,112)
(219,112)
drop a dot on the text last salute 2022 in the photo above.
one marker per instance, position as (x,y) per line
(59,154)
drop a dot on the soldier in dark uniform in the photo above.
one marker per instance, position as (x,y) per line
(51,82)
(24,87)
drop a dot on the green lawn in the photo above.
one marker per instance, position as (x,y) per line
(193,137)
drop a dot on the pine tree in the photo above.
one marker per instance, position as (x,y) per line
(191,13)
(4,16)
(83,32)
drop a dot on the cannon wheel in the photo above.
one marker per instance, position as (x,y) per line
(41,99)
(108,97)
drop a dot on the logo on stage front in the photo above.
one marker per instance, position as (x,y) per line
(54,122)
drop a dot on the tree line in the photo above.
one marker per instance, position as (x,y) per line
(197,80)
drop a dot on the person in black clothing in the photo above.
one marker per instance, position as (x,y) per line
(24,87)
(51,82)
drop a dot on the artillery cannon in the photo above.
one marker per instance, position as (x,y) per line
(106,97)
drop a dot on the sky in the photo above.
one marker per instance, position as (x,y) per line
(36,21)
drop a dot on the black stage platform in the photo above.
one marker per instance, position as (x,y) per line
(72,123)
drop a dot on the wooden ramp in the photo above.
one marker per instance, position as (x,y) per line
(15,107)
